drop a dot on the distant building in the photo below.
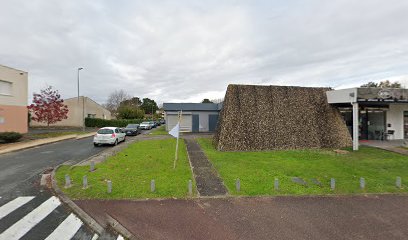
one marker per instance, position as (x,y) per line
(76,107)
(196,117)
(13,100)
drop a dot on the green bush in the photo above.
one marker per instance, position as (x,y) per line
(9,137)
(97,122)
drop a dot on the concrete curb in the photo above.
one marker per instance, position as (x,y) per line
(39,142)
(119,228)
(95,226)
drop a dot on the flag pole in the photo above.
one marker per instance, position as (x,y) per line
(177,142)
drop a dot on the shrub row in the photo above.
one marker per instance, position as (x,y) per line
(97,122)
(9,137)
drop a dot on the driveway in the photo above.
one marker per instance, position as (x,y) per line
(351,217)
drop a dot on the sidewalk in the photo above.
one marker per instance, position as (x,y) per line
(392,145)
(207,180)
(6,148)
(346,217)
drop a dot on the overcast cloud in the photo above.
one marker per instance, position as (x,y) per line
(188,50)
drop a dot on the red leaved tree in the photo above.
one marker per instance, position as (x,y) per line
(48,107)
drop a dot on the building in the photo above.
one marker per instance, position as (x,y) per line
(13,100)
(287,117)
(373,113)
(77,109)
(256,118)
(196,117)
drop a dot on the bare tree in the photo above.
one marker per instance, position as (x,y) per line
(114,100)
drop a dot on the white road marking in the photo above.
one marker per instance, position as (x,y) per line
(13,205)
(120,238)
(67,229)
(95,236)
(20,228)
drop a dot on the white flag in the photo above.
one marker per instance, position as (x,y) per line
(175,131)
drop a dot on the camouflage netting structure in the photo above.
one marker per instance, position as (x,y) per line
(279,117)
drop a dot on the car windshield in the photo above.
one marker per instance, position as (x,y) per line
(132,126)
(105,131)
(145,122)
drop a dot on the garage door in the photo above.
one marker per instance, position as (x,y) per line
(186,122)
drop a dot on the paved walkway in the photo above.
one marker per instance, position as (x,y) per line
(346,217)
(392,145)
(207,180)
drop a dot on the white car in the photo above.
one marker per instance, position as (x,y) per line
(145,126)
(109,135)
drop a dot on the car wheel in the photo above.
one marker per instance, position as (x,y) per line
(96,145)
(115,143)
(124,139)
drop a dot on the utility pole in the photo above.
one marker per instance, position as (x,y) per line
(83,103)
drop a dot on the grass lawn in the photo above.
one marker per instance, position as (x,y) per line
(160,131)
(131,171)
(257,170)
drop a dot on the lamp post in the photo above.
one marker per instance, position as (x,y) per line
(83,103)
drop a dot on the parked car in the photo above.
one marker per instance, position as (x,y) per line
(162,121)
(132,129)
(152,124)
(109,135)
(145,126)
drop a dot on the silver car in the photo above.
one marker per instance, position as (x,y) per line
(145,126)
(109,135)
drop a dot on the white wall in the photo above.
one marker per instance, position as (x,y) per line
(342,95)
(395,117)
(186,122)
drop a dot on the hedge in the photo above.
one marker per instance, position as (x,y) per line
(97,122)
(9,137)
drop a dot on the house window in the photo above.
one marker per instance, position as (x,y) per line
(5,87)
(91,115)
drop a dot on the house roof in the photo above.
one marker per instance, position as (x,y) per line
(191,106)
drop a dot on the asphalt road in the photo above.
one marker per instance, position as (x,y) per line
(18,167)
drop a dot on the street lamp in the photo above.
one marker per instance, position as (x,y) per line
(83,104)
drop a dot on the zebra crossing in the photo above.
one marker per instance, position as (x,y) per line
(41,217)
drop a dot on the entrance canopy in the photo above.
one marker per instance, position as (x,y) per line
(369,96)
(373,111)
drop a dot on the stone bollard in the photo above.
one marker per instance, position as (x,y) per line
(152,186)
(109,186)
(85,182)
(276,184)
(238,185)
(362,183)
(92,166)
(332,184)
(190,187)
(67,181)
(398,182)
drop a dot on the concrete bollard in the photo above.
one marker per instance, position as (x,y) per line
(190,187)
(398,182)
(362,183)
(109,186)
(332,184)
(85,182)
(276,184)
(238,185)
(92,166)
(152,186)
(67,181)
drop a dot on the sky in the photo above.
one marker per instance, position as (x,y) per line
(185,51)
